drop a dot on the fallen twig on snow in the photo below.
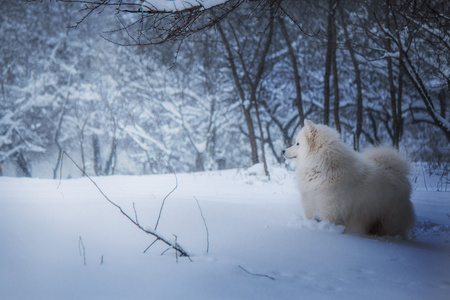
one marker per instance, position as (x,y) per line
(180,251)
(82,250)
(204,222)
(255,274)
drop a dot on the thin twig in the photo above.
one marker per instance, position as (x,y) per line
(424,177)
(164,200)
(150,245)
(206,226)
(82,250)
(135,214)
(176,253)
(255,274)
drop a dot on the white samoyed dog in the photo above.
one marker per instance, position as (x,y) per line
(367,192)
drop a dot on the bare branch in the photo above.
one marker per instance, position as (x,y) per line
(160,22)
(151,245)
(82,250)
(206,226)
(159,25)
(164,200)
(135,213)
(171,245)
(255,274)
(288,15)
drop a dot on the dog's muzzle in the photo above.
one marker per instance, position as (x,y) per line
(285,156)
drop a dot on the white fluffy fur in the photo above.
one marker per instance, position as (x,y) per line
(368,192)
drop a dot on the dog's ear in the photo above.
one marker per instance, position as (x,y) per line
(310,132)
(309,124)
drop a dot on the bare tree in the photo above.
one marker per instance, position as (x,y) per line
(392,88)
(293,58)
(331,67)
(248,83)
(359,97)
(419,27)
(58,133)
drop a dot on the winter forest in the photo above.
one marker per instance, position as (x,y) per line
(153,133)
(125,88)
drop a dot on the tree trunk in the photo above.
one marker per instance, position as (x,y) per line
(337,121)
(83,161)
(199,165)
(22,164)
(392,92)
(326,90)
(111,162)
(399,100)
(81,140)
(443,103)
(97,155)
(261,133)
(242,98)
(255,86)
(251,136)
(298,89)
(56,137)
(331,45)
(359,98)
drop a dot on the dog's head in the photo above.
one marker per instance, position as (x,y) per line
(311,137)
(293,151)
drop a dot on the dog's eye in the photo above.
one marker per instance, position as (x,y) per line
(298,144)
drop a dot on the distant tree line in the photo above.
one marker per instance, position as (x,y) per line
(217,87)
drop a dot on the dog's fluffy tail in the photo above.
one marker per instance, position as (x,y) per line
(394,170)
(388,159)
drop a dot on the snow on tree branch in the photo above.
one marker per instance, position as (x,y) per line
(154,21)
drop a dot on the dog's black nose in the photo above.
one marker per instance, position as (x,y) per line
(283,151)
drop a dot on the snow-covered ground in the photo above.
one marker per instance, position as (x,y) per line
(70,243)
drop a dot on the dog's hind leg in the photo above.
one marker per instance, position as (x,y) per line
(375,228)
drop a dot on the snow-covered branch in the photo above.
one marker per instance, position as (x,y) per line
(164,20)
